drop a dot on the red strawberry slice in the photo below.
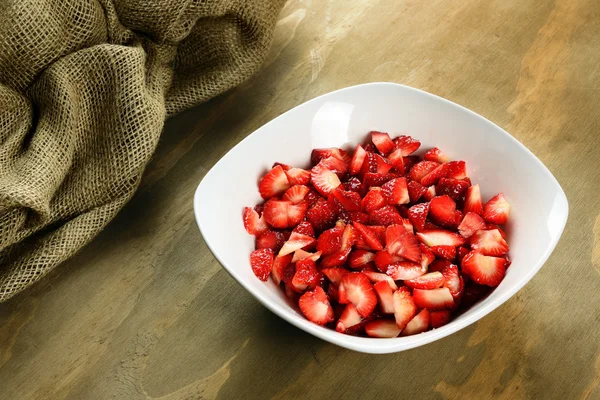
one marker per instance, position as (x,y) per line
(385,216)
(402,243)
(321,215)
(431,280)
(302,254)
(296,213)
(335,165)
(395,191)
(349,318)
(456,170)
(354,216)
(397,161)
(436,155)
(473,202)
(434,299)
(369,236)
(435,175)
(379,232)
(429,193)
(357,160)
(470,224)
(349,237)
(439,318)
(349,200)
(382,141)
(484,270)
(275,213)
(407,144)
(405,270)
(295,194)
(285,167)
(261,262)
(355,185)
(324,180)
(489,243)
(373,201)
(422,169)
(440,237)
(385,295)
(376,277)
(442,210)
(455,188)
(358,258)
(369,165)
(427,257)
(336,259)
(305,228)
(280,265)
(270,240)
(383,259)
(494,226)
(296,242)
(335,275)
(417,215)
(330,240)
(404,307)
(419,324)
(377,179)
(254,224)
(461,252)
(496,210)
(408,226)
(382,328)
(306,276)
(453,282)
(447,252)
(356,288)
(298,176)
(315,306)
(383,165)
(273,183)
(319,154)
(439,265)
(415,191)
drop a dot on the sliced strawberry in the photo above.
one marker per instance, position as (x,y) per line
(422,169)
(295,194)
(298,176)
(435,175)
(385,296)
(296,242)
(404,307)
(407,144)
(305,228)
(397,160)
(376,277)
(349,318)
(404,270)
(369,236)
(453,282)
(254,224)
(490,227)
(427,256)
(349,237)
(382,328)
(496,210)
(321,215)
(385,216)
(369,165)
(455,188)
(324,180)
(431,280)
(273,183)
(312,196)
(436,155)
(280,264)
(306,276)
(402,243)
(447,252)
(377,179)
(285,167)
(484,270)
(358,258)
(415,191)
(335,275)
(461,252)
(356,288)
(315,306)
(354,216)
(473,293)
(336,259)
(395,191)
(355,185)
(439,265)
(276,213)
(470,224)
(357,160)
(270,240)
(319,154)
(383,259)
(440,237)
(417,215)
(349,200)
(296,213)
(439,318)
(379,231)
(473,202)
(330,240)
(489,243)
(383,165)
(373,200)
(302,254)
(369,267)
(335,165)
(442,210)
(382,141)
(456,170)
(419,324)
(261,262)
(429,193)
(434,299)
(408,225)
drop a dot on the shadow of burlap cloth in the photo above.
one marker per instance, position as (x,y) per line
(85,87)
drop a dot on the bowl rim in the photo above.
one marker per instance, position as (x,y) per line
(378,345)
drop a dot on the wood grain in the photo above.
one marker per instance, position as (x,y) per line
(145,311)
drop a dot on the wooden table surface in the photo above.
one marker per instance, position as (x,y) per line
(146,312)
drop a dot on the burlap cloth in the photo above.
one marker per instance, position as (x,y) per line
(85,87)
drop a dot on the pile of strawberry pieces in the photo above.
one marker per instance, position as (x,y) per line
(378,242)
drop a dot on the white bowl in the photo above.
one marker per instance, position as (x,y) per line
(495,160)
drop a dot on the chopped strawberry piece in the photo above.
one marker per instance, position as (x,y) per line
(377,179)
(494,226)
(321,215)
(280,265)
(295,194)
(382,141)
(369,165)
(402,243)
(484,270)
(306,276)
(442,210)
(434,299)
(335,275)
(489,243)
(336,259)
(276,213)
(349,200)
(270,240)
(356,288)
(330,240)
(419,324)
(470,224)
(439,318)
(417,215)
(435,175)
(358,258)
(385,296)
(298,176)
(496,210)
(447,252)
(422,169)
(397,161)
(355,185)
(302,254)
(461,252)
(383,259)
(369,236)
(408,226)
(415,191)
(296,242)
(455,188)
(382,328)
(429,193)
(395,191)
(305,228)
(440,237)
(324,180)
(376,277)
(285,167)
(335,165)
(439,265)
(431,280)
(404,307)
(453,281)
(357,160)
(296,213)
(315,306)
(436,155)
(354,216)
(372,201)
(349,237)
(473,202)
(404,270)
(254,224)
(273,183)
(456,170)
(261,262)
(319,154)
(427,255)
(386,215)
(382,165)
(349,318)
(407,144)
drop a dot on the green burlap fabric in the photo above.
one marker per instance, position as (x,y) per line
(85,87)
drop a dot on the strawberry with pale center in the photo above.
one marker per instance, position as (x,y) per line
(315,306)
(273,183)
(356,288)
(496,210)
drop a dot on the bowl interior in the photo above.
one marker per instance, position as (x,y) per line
(495,160)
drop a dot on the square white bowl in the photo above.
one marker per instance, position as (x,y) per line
(495,160)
